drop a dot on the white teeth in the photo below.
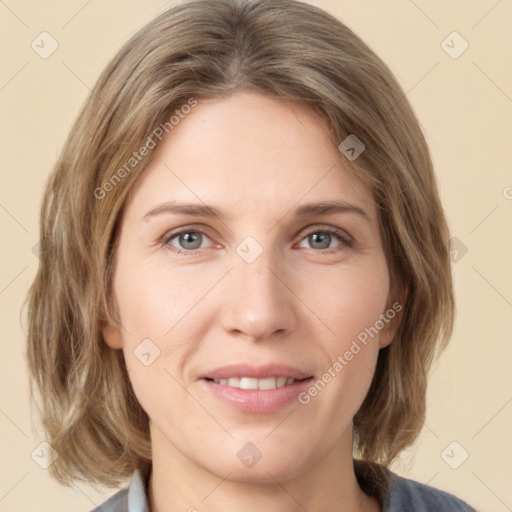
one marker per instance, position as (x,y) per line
(281,381)
(251,383)
(268,383)
(248,383)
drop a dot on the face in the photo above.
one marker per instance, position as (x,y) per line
(252,287)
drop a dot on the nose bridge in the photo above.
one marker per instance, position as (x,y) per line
(258,304)
(258,277)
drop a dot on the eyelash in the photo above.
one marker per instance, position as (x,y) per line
(343,237)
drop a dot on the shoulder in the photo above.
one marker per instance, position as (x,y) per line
(405,495)
(116,503)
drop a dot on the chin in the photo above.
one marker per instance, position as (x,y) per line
(261,462)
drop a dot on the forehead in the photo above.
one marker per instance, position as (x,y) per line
(249,153)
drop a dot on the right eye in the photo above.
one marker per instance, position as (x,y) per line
(185,241)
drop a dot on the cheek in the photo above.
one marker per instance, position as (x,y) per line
(349,302)
(154,298)
(144,302)
(160,313)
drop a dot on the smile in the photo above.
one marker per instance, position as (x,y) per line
(252,383)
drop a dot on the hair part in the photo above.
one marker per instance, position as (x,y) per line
(286,49)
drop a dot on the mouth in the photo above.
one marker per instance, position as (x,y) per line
(256,389)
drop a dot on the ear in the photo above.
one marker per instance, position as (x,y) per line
(393,314)
(112,336)
(110,331)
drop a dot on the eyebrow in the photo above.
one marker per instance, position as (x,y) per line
(306,210)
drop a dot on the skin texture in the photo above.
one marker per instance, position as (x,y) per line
(256,159)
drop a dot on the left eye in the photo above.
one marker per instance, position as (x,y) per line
(322,239)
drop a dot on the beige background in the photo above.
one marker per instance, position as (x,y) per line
(465,106)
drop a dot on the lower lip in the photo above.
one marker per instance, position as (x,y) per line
(256,400)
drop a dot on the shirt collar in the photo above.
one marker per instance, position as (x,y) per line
(137,492)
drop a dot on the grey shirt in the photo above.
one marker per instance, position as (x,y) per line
(402,495)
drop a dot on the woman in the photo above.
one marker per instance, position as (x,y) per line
(245,274)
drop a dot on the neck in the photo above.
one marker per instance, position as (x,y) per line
(177,483)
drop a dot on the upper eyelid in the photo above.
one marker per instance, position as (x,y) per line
(328,229)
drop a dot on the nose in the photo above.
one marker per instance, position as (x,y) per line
(259,302)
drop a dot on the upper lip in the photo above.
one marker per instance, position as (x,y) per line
(256,372)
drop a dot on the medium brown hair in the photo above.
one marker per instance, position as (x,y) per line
(202,49)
